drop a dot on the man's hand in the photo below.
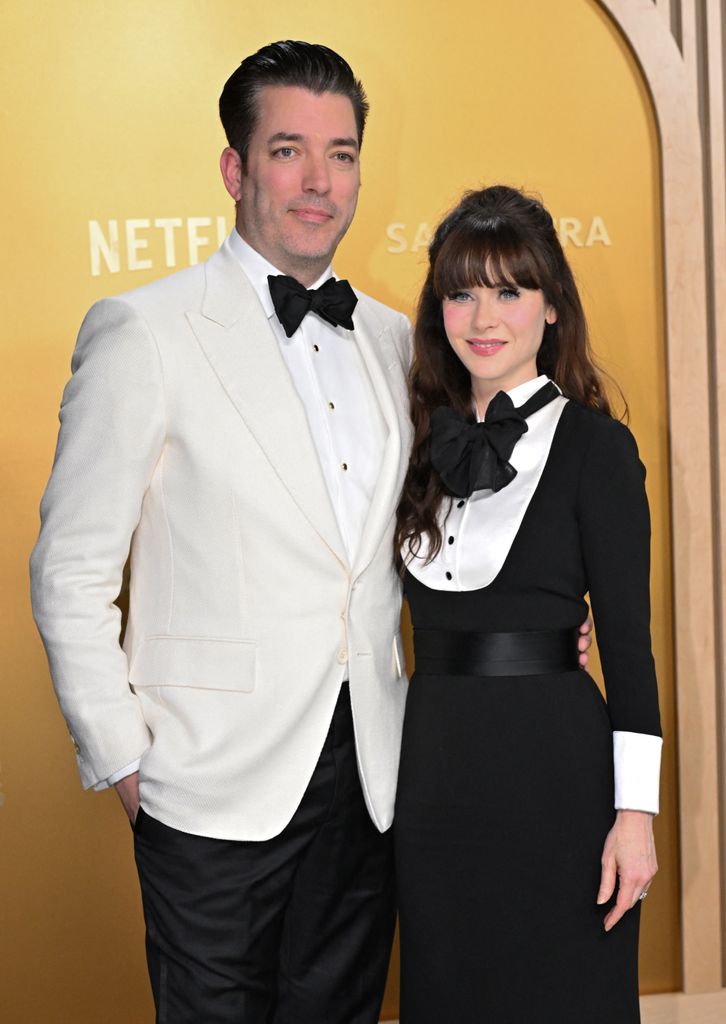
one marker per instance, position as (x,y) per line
(584,640)
(628,855)
(128,791)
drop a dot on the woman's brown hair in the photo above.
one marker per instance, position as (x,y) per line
(496,236)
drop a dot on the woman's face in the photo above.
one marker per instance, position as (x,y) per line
(496,333)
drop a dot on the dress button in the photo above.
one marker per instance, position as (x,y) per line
(451,540)
(342,656)
(460,504)
(448,575)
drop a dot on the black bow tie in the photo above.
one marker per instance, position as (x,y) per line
(334,301)
(472,456)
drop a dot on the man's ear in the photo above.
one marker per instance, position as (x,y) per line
(230,164)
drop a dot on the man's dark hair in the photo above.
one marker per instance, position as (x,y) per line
(290,62)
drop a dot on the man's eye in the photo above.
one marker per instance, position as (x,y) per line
(345,158)
(284,152)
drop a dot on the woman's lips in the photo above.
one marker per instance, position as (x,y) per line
(488,347)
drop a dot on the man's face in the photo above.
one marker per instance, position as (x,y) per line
(299,187)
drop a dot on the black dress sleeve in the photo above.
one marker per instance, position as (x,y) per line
(615,535)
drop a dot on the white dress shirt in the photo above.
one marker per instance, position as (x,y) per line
(343,414)
(471,565)
(331,378)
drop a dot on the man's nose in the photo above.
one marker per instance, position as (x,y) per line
(316,175)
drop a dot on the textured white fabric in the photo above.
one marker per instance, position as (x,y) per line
(484,526)
(244,602)
(344,418)
(122,773)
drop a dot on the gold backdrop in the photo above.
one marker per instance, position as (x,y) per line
(109,180)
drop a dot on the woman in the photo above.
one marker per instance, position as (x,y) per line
(525,803)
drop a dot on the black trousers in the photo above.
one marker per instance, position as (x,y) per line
(292,930)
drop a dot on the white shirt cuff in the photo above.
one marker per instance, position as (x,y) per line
(117,776)
(637,771)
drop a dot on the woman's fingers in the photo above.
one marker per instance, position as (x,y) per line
(608,878)
(629,858)
(629,894)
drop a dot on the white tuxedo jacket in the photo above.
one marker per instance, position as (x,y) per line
(183,441)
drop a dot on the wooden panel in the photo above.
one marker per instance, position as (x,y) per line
(715,70)
(674,94)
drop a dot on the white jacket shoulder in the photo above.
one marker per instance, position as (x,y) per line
(382,316)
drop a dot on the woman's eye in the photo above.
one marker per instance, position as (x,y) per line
(508,293)
(459,297)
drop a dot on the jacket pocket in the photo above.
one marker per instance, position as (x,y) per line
(197,662)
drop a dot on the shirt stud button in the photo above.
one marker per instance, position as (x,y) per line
(448,576)
(451,540)
(331,405)
(315,348)
(344,467)
(460,504)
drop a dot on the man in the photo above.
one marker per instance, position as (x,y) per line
(249,457)
(253,478)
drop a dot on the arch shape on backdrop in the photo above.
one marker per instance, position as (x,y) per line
(675,100)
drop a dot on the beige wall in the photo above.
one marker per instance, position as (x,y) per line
(110,116)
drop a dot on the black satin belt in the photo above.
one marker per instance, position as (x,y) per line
(443,652)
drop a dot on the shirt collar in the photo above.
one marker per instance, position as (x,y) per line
(523,392)
(257,269)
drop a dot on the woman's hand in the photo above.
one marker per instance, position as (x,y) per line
(584,640)
(628,856)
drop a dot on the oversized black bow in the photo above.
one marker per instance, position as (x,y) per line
(472,456)
(334,301)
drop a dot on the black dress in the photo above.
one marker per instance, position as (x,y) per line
(505,791)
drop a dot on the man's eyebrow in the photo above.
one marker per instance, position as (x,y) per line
(348,140)
(285,137)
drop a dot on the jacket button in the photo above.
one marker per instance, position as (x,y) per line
(342,656)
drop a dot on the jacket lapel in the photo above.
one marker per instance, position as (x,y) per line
(383,365)
(234,333)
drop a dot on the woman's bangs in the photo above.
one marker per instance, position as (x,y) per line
(484,259)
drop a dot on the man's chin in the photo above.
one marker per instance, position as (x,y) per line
(309,255)
(312,248)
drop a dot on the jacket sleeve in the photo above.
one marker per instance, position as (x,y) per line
(112,430)
(615,533)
